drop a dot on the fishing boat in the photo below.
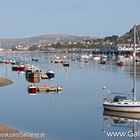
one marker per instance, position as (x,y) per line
(32,71)
(121,103)
(33,74)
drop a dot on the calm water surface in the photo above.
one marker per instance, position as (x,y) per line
(76,113)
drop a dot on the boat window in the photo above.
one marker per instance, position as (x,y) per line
(125,103)
(119,98)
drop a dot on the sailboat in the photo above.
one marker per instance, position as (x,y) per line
(121,103)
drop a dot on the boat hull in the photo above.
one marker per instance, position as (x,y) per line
(14,68)
(50,74)
(33,74)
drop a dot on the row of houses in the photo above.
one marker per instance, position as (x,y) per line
(127,47)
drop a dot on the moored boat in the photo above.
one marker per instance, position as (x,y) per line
(32,71)
(50,74)
(34,74)
(96,57)
(21,67)
(66,64)
(14,67)
(44,76)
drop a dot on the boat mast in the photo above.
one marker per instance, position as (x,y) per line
(134,63)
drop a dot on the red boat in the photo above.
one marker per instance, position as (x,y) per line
(21,67)
(18,67)
(32,90)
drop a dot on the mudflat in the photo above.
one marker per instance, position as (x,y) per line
(5,82)
(7,133)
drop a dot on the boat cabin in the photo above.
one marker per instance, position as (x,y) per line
(119,98)
(50,74)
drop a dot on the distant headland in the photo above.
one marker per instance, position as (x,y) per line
(46,42)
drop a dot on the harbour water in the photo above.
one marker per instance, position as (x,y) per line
(75,113)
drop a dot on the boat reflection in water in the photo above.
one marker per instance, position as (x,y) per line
(128,121)
(38,89)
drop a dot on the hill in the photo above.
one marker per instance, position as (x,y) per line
(62,39)
(128,37)
(44,39)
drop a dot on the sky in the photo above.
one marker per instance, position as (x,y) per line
(95,18)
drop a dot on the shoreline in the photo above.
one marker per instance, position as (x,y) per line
(11,134)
